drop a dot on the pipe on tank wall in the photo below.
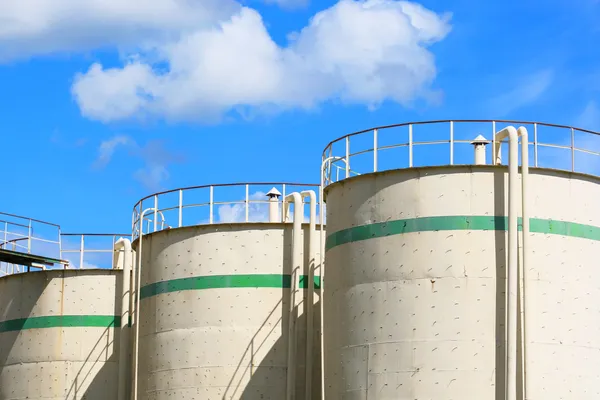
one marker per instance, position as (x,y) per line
(512,270)
(125,246)
(296,262)
(522,131)
(138,278)
(310,288)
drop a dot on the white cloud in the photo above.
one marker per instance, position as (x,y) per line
(288,4)
(359,52)
(526,92)
(154,155)
(108,147)
(30,27)
(257,212)
(589,117)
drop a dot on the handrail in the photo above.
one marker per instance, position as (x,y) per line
(340,148)
(250,204)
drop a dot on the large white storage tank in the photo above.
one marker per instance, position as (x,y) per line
(216,294)
(59,334)
(416,266)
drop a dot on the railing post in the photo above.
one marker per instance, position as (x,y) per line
(81,247)
(410,145)
(133,222)
(155,213)
(247,202)
(374,151)
(347,157)
(535,145)
(210,204)
(283,203)
(451,142)
(60,244)
(112,259)
(493,142)
(5,234)
(29,238)
(180,208)
(572,150)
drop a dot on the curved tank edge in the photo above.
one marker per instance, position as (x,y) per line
(458,169)
(59,273)
(230,225)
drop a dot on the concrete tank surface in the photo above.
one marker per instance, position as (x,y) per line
(214,314)
(57,335)
(415,285)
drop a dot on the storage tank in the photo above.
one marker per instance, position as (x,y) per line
(59,334)
(217,290)
(416,268)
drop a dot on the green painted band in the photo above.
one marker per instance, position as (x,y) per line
(452,223)
(60,321)
(224,281)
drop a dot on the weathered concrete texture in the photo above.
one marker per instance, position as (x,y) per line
(57,339)
(419,313)
(223,332)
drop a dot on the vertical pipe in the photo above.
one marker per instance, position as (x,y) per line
(522,131)
(81,246)
(247,202)
(155,213)
(138,280)
(374,151)
(452,143)
(347,156)
(125,246)
(321,275)
(180,208)
(296,264)
(512,269)
(410,145)
(210,205)
(312,256)
(513,256)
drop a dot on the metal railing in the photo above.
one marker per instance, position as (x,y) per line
(41,238)
(99,252)
(395,146)
(210,204)
(20,233)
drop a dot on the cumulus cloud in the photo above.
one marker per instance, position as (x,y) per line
(31,27)
(356,52)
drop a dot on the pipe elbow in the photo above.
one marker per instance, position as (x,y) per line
(509,132)
(522,131)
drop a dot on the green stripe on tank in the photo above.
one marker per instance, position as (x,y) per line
(452,223)
(222,282)
(61,321)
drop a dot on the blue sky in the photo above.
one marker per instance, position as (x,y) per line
(104,103)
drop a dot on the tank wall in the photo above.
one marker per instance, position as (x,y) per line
(57,335)
(215,312)
(415,297)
